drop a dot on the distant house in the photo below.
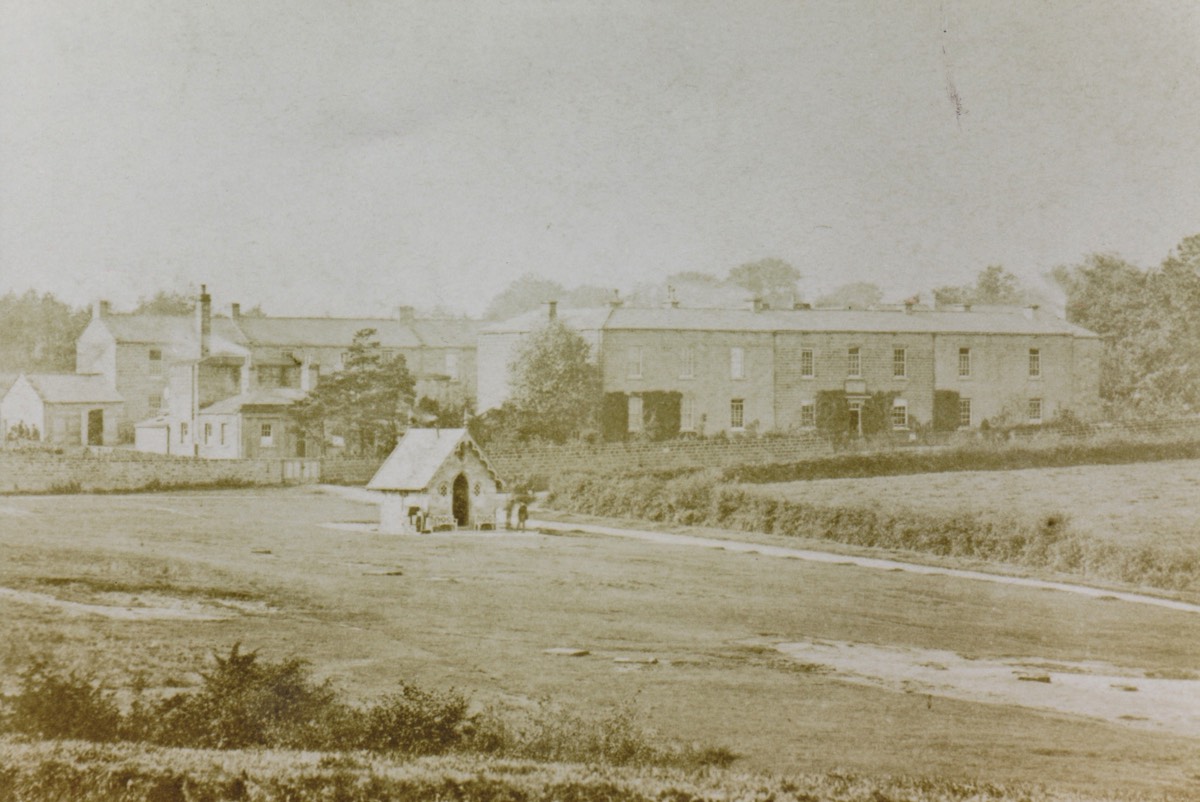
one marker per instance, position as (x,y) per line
(172,368)
(248,425)
(62,408)
(437,478)
(758,369)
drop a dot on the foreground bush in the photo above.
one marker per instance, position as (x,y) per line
(32,772)
(246,702)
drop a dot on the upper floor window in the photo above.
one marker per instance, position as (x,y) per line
(737,414)
(964,413)
(1035,410)
(1035,363)
(854,362)
(154,402)
(737,363)
(964,361)
(807,365)
(452,365)
(634,362)
(900,362)
(635,413)
(687,363)
(899,414)
(266,435)
(155,357)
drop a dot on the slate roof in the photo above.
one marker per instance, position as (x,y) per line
(447,332)
(417,457)
(325,332)
(1010,320)
(263,397)
(1013,321)
(141,328)
(74,388)
(586,319)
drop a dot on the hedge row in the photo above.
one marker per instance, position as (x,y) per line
(995,457)
(1043,542)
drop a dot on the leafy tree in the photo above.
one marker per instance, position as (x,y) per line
(993,286)
(165,302)
(367,402)
(38,332)
(766,276)
(523,295)
(857,294)
(556,388)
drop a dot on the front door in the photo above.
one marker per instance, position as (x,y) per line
(95,430)
(856,417)
(461,504)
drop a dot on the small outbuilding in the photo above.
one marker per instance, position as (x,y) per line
(437,479)
(62,408)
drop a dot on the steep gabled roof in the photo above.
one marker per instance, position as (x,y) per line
(73,388)
(417,458)
(325,332)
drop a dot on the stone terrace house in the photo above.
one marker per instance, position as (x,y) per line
(171,369)
(759,369)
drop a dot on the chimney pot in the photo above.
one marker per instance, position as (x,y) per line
(552,310)
(204,320)
(615,301)
(100,309)
(235,310)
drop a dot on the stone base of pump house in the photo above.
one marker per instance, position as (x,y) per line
(421,513)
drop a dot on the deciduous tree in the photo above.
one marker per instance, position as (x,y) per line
(556,387)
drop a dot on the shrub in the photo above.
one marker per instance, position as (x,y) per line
(51,704)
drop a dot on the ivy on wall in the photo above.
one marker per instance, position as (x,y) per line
(660,415)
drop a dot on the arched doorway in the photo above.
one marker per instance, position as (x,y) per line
(461,503)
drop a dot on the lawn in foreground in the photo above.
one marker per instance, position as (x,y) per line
(479,612)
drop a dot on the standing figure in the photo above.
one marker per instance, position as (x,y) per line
(522,515)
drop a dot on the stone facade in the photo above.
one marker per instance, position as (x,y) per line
(763,370)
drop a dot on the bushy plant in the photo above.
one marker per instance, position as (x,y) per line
(53,704)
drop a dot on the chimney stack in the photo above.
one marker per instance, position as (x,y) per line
(615,301)
(552,310)
(1031,312)
(100,309)
(204,320)
(235,311)
(672,301)
(756,304)
(406,314)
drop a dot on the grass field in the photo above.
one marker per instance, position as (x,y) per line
(139,585)
(1154,503)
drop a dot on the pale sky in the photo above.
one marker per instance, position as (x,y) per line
(318,156)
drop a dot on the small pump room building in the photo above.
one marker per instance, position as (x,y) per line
(437,479)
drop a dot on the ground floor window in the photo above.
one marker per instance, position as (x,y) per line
(224,426)
(207,433)
(267,435)
(687,414)
(964,413)
(635,413)
(808,415)
(183,429)
(1035,410)
(737,414)
(899,414)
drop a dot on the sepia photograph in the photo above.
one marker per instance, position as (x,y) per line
(578,401)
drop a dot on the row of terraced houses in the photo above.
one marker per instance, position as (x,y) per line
(221,385)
